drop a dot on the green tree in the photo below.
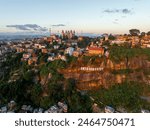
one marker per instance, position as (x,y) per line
(134,32)
(36,91)
(111,37)
(126,95)
(76,102)
(148,33)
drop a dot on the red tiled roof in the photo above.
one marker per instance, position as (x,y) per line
(95,48)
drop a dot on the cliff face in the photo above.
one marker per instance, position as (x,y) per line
(134,63)
(112,73)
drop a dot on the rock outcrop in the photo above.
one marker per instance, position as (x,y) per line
(112,73)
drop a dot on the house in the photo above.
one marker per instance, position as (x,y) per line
(40,110)
(56,46)
(11,105)
(63,106)
(50,58)
(29,108)
(80,38)
(42,46)
(148,46)
(30,50)
(135,40)
(74,43)
(96,108)
(19,49)
(48,39)
(106,54)
(27,45)
(54,37)
(63,58)
(109,109)
(36,45)
(35,59)
(35,110)
(32,60)
(52,109)
(118,42)
(44,50)
(77,53)
(95,50)
(26,55)
(69,51)
(145,111)
(105,36)
(24,107)
(3,109)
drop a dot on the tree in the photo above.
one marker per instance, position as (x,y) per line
(45,102)
(36,90)
(76,102)
(111,37)
(134,32)
(143,33)
(126,95)
(44,70)
(84,42)
(28,76)
(148,33)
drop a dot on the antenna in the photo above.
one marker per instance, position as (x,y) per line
(50,31)
(81,32)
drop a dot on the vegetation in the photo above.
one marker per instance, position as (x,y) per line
(119,53)
(70,59)
(76,102)
(111,37)
(122,71)
(12,63)
(148,33)
(84,43)
(134,32)
(125,95)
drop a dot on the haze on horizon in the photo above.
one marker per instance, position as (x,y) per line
(86,16)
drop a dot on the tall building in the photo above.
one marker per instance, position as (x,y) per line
(68,34)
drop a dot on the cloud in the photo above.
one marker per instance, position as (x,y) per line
(126,11)
(28,27)
(114,22)
(20,27)
(111,11)
(123,11)
(58,25)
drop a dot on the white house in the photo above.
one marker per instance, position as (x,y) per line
(109,109)
(69,51)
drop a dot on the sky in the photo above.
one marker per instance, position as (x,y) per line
(83,16)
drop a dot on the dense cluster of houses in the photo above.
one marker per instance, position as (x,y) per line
(57,50)
(143,41)
(54,43)
(11,107)
(60,107)
(110,109)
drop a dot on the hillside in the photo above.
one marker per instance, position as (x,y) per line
(112,70)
